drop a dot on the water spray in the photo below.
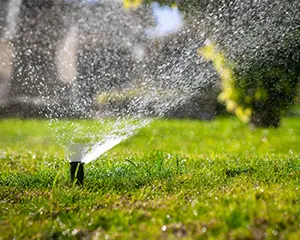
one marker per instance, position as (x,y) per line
(168,21)
(81,154)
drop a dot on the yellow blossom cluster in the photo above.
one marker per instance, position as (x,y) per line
(229,94)
(132,4)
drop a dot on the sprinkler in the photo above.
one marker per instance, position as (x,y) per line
(76,164)
(77,172)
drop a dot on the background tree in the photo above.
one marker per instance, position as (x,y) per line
(260,42)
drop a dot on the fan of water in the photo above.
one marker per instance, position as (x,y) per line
(131,55)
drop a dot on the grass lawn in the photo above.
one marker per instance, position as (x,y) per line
(173,179)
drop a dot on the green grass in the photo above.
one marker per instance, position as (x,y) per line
(173,179)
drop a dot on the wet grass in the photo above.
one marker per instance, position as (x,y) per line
(174,179)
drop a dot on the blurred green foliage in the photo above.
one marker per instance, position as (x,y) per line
(269,91)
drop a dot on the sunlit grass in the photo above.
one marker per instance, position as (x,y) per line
(173,179)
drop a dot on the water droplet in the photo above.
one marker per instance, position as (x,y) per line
(74,232)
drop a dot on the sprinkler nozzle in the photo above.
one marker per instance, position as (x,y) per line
(77,172)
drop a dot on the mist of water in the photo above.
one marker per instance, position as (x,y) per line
(158,94)
(11,20)
(145,63)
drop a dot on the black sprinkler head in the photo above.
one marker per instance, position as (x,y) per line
(77,172)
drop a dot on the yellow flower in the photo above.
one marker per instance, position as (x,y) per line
(219,63)
(132,4)
(174,5)
(243,115)
(229,91)
(226,76)
(245,119)
(222,97)
(229,94)
(239,111)
(230,105)
(207,51)
(248,112)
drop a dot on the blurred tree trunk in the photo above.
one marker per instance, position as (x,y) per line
(34,75)
(3,15)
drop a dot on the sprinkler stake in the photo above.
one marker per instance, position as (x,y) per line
(77,172)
